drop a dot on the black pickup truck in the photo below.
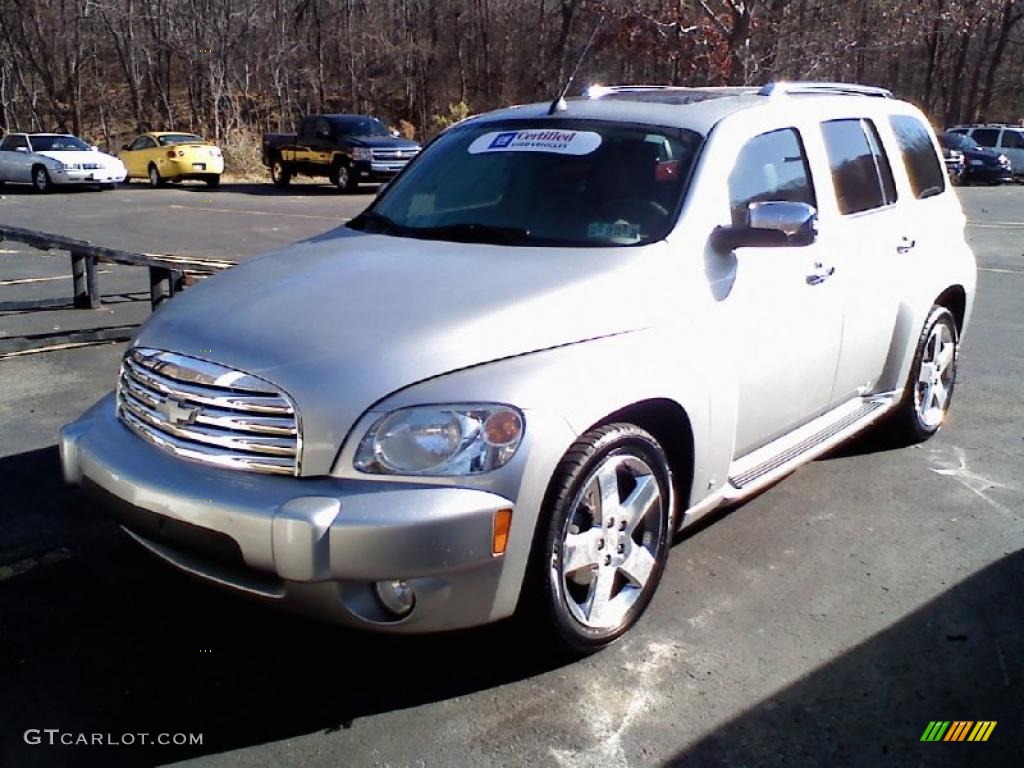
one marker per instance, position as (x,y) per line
(347,149)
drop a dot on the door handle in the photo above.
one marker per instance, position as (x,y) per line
(820,274)
(906,245)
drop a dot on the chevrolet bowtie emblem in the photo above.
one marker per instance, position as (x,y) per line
(177,413)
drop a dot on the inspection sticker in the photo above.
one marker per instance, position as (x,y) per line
(537,140)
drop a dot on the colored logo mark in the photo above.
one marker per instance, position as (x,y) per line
(958,730)
(503,140)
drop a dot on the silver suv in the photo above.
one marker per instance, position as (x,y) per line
(561,335)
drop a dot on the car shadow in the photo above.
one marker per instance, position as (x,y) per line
(958,658)
(267,189)
(16,190)
(96,636)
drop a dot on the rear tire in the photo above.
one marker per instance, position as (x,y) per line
(929,389)
(280,173)
(155,179)
(603,540)
(41,182)
(212,180)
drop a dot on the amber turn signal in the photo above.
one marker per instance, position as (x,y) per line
(502,523)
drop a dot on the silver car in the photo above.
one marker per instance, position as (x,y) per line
(560,336)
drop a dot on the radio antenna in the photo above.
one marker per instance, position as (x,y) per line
(559,105)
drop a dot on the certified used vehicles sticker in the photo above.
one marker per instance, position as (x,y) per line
(537,140)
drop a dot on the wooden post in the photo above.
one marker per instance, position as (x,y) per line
(164,282)
(85,281)
(80,286)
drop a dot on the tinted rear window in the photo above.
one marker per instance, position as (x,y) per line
(860,169)
(923,168)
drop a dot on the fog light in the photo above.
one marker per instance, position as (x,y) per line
(396,596)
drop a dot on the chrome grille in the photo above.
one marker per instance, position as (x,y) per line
(394,154)
(209,413)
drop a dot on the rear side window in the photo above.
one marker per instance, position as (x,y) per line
(770,168)
(922,162)
(987,137)
(860,169)
(1012,140)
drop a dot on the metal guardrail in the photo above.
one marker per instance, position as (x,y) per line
(168,274)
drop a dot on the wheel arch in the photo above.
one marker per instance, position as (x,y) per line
(669,423)
(954,298)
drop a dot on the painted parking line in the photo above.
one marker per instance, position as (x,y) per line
(997,224)
(1002,271)
(24,280)
(259,213)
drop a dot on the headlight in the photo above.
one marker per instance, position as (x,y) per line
(1004,160)
(441,440)
(362,153)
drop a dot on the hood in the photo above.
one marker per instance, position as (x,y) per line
(343,321)
(383,142)
(78,157)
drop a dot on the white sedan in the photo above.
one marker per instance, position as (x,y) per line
(46,159)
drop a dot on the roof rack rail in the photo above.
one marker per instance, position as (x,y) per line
(597,91)
(807,87)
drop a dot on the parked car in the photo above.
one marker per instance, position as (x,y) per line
(558,338)
(162,157)
(346,149)
(984,166)
(47,159)
(1004,139)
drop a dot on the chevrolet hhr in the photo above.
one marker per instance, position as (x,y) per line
(561,335)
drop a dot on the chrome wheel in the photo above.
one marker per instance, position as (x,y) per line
(610,541)
(936,377)
(278,174)
(41,180)
(154,176)
(342,177)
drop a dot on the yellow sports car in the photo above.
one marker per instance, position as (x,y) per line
(168,156)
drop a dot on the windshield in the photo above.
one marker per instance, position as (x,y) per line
(360,126)
(58,144)
(179,138)
(959,141)
(566,182)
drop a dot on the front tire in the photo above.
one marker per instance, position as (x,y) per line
(41,180)
(610,524)
(929,390)
(342,178)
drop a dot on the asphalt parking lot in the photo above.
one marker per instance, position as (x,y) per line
(825,622)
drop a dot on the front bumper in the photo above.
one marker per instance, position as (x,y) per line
(315,545)
(377,170)
(988,173)
(88,176)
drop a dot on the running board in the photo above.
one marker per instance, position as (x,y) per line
(764,466)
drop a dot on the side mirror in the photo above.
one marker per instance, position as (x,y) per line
(770,224)
(125,147)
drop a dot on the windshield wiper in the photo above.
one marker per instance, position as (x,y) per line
(469,232)
(380,223)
